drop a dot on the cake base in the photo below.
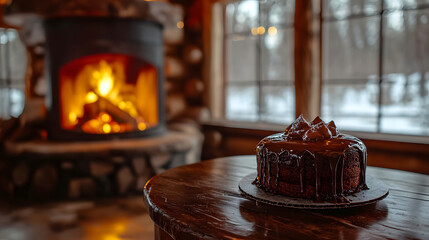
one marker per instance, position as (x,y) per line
(377,191)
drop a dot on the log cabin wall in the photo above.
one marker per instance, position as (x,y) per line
(23,172)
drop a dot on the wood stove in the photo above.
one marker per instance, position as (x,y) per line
(105,78)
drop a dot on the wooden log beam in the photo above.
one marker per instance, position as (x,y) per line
(307,81)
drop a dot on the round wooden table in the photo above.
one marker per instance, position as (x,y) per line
(202,201)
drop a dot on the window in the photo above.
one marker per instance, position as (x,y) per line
(375,69)
(374,63)
(258,42)
(12,73)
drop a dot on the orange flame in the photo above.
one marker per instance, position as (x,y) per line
(96,96)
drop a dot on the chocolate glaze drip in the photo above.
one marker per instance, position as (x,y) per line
(362,156)
(300,164)
(263,163)
(277,175)
(330,150)
(341,168)
(318,165)
(272,156)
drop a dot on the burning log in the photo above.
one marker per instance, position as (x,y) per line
(118,114)
(93,111)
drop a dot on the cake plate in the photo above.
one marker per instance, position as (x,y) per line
(377,191)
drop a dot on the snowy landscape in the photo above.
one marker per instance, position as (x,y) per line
(351,88)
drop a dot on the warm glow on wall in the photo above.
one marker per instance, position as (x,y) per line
(111,237)
(4,2)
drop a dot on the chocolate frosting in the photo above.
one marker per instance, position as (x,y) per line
(315,131)
(317,140)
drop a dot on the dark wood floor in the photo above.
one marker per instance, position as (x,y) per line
(110,219)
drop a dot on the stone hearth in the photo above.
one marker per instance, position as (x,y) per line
(46,170)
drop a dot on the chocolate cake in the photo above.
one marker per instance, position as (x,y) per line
(313,161)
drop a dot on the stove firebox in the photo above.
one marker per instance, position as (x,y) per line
(105,78)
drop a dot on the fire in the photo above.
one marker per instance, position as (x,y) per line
(106,117)
(104,78)
(142,126)
(106,128)
(116,128)
(98,97)
(91,97)
(73,117)
(103,124)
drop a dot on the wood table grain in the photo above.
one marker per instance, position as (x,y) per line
(202,201)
